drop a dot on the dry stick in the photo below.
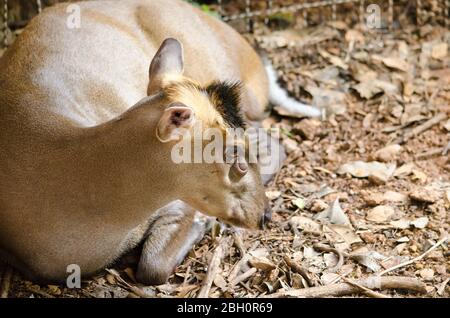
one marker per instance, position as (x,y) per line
(342,289)
(238,242)
(243,277)
(446,149)
(432,152)
(441,288)
(328,249)
(297,268)
(367,291)
(340,277)
(237,267)
(138,291)
(423,127)
(418,258)
(6,281)
(186,275)
(213,268)
(244,259)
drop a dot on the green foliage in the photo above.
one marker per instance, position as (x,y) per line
(287,132)
(204,7)
(287,17)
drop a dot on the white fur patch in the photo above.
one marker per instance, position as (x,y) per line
(280,97)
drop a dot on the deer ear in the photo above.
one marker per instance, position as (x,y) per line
(175,122)
(168,60)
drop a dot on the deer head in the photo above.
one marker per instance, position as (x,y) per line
(230,189)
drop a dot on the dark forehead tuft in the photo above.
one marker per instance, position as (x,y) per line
(226,97)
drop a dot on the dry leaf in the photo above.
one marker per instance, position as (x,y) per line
(333,101)
(447,125)
(342,233)
(309,252)
(299,203)
(307,128)
(362,169)
(380,214)
(447,196)
(424,195)
(318,206)
(367,89)
(55,290)
(439,51)
(333,59)
(405,169)
(419,176)
(305,224)
(220,282)
(334,214)
(400,224)
(393,62)
(392,196)
(369,259)
(403,239)
(372,198)
(329,278)
(272,195)
(330,259)
(290,145)
(259,252)
(388,153)
(420,223)
(261,263)
(427,274)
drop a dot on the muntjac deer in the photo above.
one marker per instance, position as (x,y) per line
(87,129)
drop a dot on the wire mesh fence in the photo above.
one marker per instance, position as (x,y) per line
(16,13)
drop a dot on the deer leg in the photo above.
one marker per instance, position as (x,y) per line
(173,231)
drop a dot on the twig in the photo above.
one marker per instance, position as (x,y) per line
(138,291)
(239,244)
(418,258)
(328,249)
(213,268)
(342,289)
(341,276)
(186,275)
(244,259)
(297,268)
(441,288)
(6,281)
(243,277)
(446,149)
(366,290)
(423,127)
(237,267)
(429,153)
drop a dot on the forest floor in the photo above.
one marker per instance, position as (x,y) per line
(361,205)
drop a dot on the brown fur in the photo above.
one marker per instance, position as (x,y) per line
(81,171)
